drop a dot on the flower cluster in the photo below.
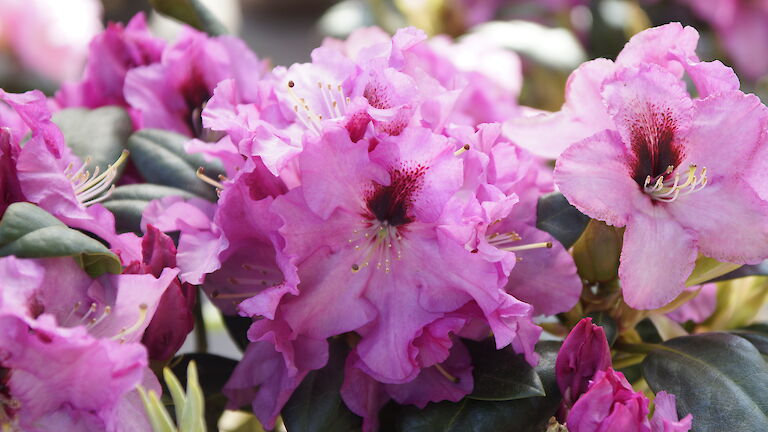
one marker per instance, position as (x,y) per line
(383,197)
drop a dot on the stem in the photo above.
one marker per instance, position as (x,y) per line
(636,348)
(201,336)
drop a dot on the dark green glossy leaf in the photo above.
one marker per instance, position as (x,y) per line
(160,157)
(213,373)
(100,134)
(128,202)
(316,405)
(501,375)
(604,320)
(27,231)
(470,415)
(190,12)
(555,215)
(720,378)
(757,335)
(745,271)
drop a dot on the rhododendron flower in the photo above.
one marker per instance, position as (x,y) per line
(171,94)
(609,404)
(54,378)
(173,319)
(665,415)
(699,308)
(584,352)
(661,169)
(50,37)
(585,111)
(111,55)
(49,174)
(741,26)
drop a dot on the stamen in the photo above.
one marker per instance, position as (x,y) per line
(200,173)
(380,242)
(445,373)
(530,246)
(93,188)
(668,190)
(125,331)
(460,151)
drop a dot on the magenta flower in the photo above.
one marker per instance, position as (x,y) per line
(665,415)
(111,55)
(172,94)
(43,40)
(585,112)
(741,27)
(47,172)
(173,319)
(609,404)
(699,308)
(660,169)
(55,378)
(584,353)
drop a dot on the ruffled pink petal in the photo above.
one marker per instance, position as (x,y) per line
(433,386)
(362,394)
(657,257)
(544,278)
(595,176)
(735,232)
(582,115)
(665,415)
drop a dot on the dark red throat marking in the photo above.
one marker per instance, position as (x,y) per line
(655,143)
(392,204)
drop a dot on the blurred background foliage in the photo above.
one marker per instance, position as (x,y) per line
(551,36)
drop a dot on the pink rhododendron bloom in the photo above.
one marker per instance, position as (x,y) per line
(55,378)
(111,55)
(609,404)
(699,308)
(660,168)
(742,27)
(584,352)
(50,37)
(171,94)
(585,111)
(665,415)
(173,319)
(49,174)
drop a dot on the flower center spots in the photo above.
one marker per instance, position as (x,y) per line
(391,204)
(653,135)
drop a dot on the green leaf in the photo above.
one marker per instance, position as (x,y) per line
(470,415)
(158,416)
(128,203)
(190,12)
(214,372)
(316,405)
(708,269)
(27,231)
(720,378)
(555,215)
(501,375)
(745,271)
(757,335)
(193,412)
(160,157)
(100,134)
